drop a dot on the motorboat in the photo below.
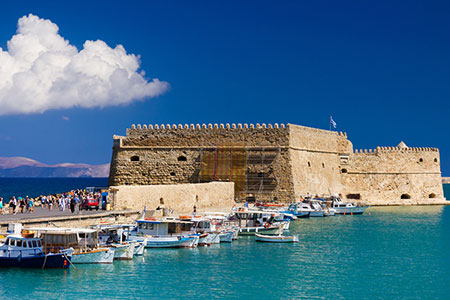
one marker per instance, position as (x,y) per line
(83,244)
(164,233)
(26,252)
(114,237)
(250,222)
(347,208)
(276,238)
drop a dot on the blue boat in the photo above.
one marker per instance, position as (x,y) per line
(23,252)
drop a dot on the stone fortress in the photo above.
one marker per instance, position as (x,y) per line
(278,163)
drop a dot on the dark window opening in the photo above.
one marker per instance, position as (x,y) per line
(435,160)
(309,164)
(421,160)
(354,196)
(323,165)
(134,158)
(432,195)
(344,171)
(405,196)
(182,158)
(172,174)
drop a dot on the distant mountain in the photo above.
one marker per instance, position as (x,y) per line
(26,167)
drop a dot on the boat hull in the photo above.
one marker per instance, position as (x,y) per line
(172,242)
(226,237)
(253,230)
(50,261)
(124,252)
(276,239)
(139,248)
(98,256)
(357,210)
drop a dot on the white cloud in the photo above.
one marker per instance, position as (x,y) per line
(42,71)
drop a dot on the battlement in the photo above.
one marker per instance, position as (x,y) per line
(208,126)
(221,126)
(395,150)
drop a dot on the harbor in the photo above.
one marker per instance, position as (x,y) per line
(330,249)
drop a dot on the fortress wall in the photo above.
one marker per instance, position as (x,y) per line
(315,157)
(395,160)
(385,174)
(318,140)
(179,197)
(315,173)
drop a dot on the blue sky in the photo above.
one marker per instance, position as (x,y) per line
(381,68)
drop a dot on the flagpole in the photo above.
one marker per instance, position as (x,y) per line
(330,122)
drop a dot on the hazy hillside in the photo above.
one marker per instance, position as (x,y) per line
(26,167)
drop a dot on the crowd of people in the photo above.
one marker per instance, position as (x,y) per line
(75,199)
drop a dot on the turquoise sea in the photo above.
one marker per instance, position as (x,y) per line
(387,253)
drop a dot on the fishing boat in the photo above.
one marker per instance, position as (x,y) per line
(250,222)
(276,238)
(25,252)
(164,233)
(114,237)
(226,237)
(83,244)
(346,208)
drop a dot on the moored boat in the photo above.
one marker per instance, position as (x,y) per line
(23,252)
(164,233)
(347,208)
(276,238)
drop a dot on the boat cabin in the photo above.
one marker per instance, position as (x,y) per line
(248,218)
(162,227)
(16,245)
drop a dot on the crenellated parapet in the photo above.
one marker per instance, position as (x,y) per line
(203,126)
(395,150)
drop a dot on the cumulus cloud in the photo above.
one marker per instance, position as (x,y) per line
(41,70)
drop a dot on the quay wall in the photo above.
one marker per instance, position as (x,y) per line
(181,198)
(77,221)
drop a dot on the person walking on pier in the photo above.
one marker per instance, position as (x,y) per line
(1,206)
(72,204)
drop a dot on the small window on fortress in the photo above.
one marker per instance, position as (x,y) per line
(172,174)
(323,165)
(432,195)
(134,158)
(405,196)
(344,171)
(435,160)
(182,158)
(421,160)
(354,196)
(309,164)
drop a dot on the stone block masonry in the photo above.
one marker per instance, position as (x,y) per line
(275,163)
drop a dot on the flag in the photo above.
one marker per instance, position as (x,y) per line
(332,122)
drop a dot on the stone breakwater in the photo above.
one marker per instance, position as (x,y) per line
(276,163)
(446,180)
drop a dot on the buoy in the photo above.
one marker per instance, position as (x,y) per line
(351,214)
(344,213)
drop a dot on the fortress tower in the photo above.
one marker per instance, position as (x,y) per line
(275,163)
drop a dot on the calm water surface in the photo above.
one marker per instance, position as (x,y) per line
(387,253)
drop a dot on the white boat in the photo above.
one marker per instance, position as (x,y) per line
(226,236)
(346,208)
(94,256)
(164,233)
(139,247)
(251,221)
(82,242)
(276,238)
(124,251)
